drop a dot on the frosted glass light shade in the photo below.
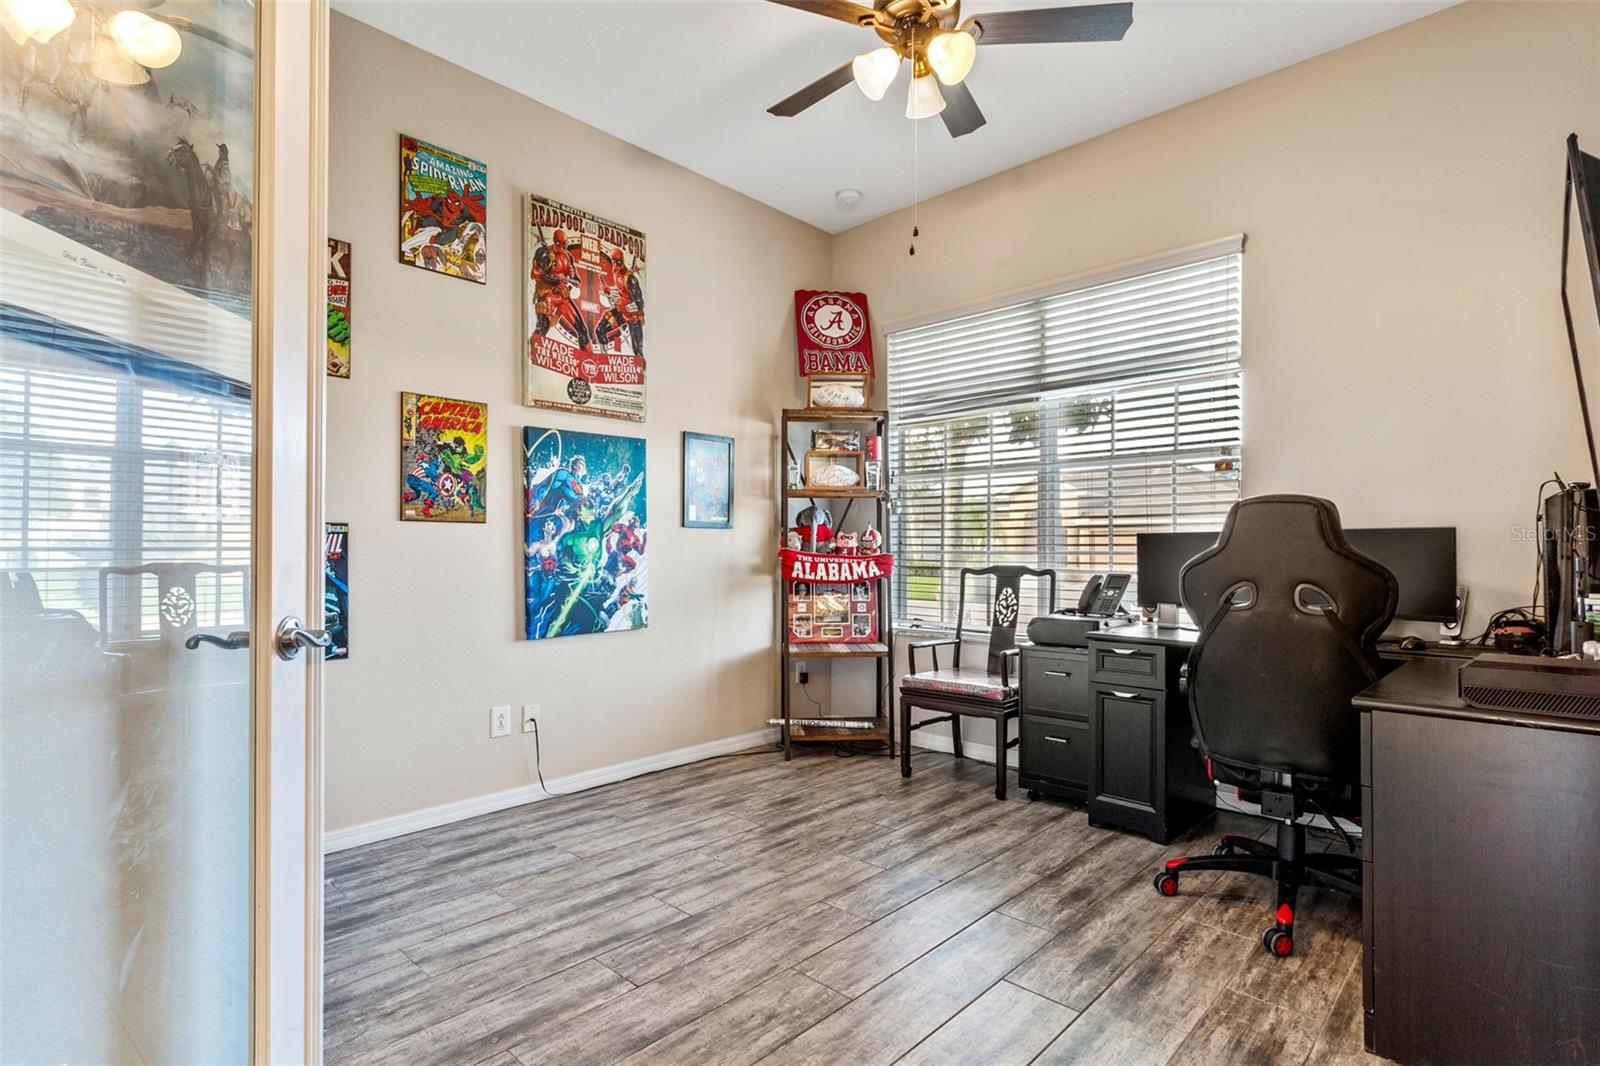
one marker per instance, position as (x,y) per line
(924,100)
(146,41)
(875,70)
(35,20)
(951,54)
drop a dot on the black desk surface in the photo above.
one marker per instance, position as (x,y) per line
(1427,686)
(1149,633)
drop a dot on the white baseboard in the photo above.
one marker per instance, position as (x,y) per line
(979,752)
(445,813)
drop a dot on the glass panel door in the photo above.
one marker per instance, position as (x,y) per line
(126,359)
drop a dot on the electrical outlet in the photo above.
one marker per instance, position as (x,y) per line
(500,721)
(530,717)
(802,673)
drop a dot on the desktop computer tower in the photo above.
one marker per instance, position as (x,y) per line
(1569,552)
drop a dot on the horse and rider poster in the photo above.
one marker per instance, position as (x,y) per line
(443,199)
(586,529)
(442,448)
(110,169)
(584,312)
(338,308)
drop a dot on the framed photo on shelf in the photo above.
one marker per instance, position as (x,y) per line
(833,469)
(836,440)
(707,481)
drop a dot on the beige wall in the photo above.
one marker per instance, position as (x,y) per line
(1404,352)
(1404,356)
(437,609)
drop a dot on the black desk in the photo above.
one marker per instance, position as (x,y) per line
(1482,873)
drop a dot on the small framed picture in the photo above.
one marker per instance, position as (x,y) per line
(833,469)
(800,625)
(874,475)
(861,625)
(707,481)
(836,440)
(801,590)
(859,591)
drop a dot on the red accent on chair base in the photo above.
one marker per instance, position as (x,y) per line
(1285,914)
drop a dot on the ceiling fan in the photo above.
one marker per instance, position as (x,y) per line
(942,48)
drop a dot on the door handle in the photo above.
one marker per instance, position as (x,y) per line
(1124,651)
(232,642)
(1058,740)
(1122,695)
(1058,673)
(292,635)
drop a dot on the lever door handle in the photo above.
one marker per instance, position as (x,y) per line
(1124,651)
(292,635)
(1122,695)
(1058,740)
(232,642)
(1058,673)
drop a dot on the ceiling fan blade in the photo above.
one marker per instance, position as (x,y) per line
(1090,22)
(961,115)
(843,10)
(826,85)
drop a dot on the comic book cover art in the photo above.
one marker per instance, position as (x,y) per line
(442,447)
(586,530)
(336,589)
(584,312)
(151,168)
(338,308)
(443,200)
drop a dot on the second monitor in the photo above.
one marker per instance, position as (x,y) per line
(1422,559)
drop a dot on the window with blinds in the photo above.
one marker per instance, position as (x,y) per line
(101,467)
(1054,430)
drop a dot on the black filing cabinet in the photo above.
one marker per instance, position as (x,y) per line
(1145,774)
(1057,751)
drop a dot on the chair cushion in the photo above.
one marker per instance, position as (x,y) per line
(965,681)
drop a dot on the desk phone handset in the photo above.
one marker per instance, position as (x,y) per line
(1102,596)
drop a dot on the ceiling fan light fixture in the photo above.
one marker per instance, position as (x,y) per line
(875,71)
(951,55)
(144,40)
(924,100)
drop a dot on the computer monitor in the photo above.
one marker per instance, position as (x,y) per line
(1422,559)
(1160,557)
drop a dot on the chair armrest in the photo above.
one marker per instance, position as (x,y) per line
(911,650)
(1005,656)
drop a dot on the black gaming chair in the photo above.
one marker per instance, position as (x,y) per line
(1289,614)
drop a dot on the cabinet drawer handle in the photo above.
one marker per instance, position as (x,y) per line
(1058,673)
(1122,695)
(1124,651)
(1057,740)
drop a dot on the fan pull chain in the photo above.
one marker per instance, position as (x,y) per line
(916,185)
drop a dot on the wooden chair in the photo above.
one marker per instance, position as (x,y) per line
(958,691)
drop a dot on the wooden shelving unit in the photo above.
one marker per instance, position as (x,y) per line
(880,651)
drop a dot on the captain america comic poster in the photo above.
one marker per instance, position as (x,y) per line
(584,307)
(586,533)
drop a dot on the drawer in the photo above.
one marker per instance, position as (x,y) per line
(1057,748)
(1055,683)
(1129,665)
(1126,726)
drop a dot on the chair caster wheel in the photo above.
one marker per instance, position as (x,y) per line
(1167,883)
(1278,943)
(1222,849)
(1033,793)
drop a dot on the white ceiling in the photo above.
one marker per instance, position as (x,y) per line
(690,80)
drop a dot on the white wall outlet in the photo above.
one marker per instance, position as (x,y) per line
(530,717)
(500,721)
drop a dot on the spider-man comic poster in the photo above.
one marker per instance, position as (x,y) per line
(442,207)
(584,310)
(586,531)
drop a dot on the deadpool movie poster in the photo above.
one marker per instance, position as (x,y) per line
(584,337)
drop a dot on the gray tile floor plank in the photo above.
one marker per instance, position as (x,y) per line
(1241,1028)
(891,1018)
(1006,1026)
(746,1028)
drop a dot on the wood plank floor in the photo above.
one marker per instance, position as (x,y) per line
(746,910)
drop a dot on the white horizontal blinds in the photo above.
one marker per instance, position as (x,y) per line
(1078,420)
(100,468)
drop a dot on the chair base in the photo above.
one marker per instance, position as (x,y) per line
(1287,864)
